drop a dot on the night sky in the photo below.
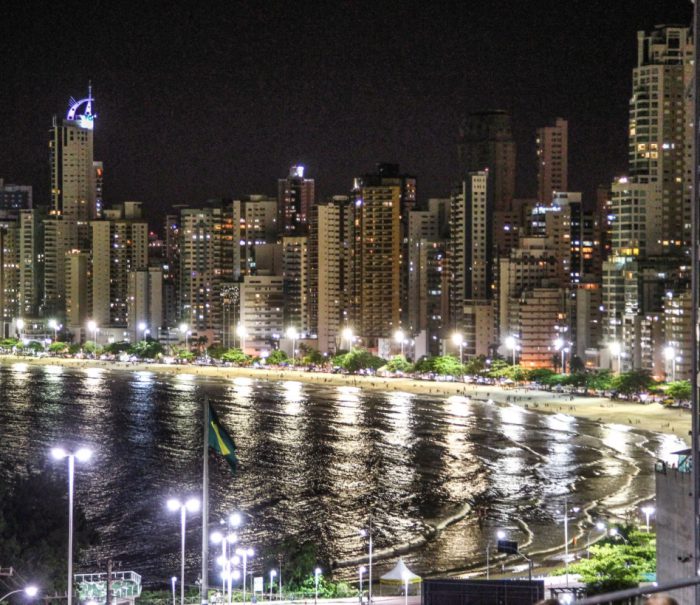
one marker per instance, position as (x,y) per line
(198,102)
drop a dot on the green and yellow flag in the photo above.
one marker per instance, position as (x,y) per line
(220,441)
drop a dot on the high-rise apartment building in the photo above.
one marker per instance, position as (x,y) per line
(649,210)
(255,224)
(119,246)
(379,266)
(552,159)
(14,198)
(295,197)
(335,227)
(486,143)
(75,180)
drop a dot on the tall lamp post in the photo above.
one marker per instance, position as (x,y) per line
(244,553)
(317,575)
(347,337)
(405,586)
(512,344)
(30,591)
(241,331)
(616,349)
(648,512)
(458,341)
(273,573)
(400,337)
(362,571)
(192,505)
(82,454)
(293,334)
(368,534)
(173,580)
(670,355)
(184,329)
(600,526)
(53,324)
(566,536)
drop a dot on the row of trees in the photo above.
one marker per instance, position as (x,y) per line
(618,562)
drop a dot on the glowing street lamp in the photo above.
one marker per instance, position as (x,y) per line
(273,573)
(317,575)
(92,326)
(670,355)
(575,509)
(512,344)
(293,334)
(30,591)
(20,327)
(244,553)
(600,526)
(54,325)
(348,337)
(616,349)
(400,337)
(458,341)
(82,454)
(185,329)
(173,580)
(192,505)
(242,333)
(406,577)
(648,512)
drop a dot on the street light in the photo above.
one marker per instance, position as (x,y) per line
(615,533)
(347,336)
(566,536)
(400,337)
(173,580)
(648,512)
(670,355)
(559,346)
(405,586)
(368,534)
(20,327)
(512,343)
(600,526)
(273,573)
(362,570)
(244,553)
(184,329)
(458,341)
(616,349)
(293,334)
(191,505)
(241,331)
(83,454)
(30,591)
(53,324)
(317,575)
(92,326)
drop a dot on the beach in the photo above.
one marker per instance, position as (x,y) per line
(647,417)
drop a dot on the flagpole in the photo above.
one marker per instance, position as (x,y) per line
(205,504)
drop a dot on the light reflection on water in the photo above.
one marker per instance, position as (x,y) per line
(314,460)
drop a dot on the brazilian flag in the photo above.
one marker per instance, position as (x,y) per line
(220,441)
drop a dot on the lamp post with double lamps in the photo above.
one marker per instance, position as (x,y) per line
(191,505)
(648,512)
(82,454)
(244,553)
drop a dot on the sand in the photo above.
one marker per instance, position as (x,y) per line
(648,417)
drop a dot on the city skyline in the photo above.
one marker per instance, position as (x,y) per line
(196,106)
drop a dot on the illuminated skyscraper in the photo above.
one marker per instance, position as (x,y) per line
(295,196)
(75,180)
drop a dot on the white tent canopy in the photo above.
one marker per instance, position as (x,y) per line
(399,575)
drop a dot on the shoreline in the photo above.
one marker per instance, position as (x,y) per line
(651,417)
